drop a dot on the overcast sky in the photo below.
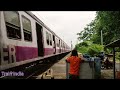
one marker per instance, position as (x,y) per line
(66,24)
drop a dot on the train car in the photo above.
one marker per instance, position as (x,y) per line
(24,38)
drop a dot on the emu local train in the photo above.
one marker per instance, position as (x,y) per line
(24,38)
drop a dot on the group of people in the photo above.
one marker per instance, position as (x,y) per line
(75,60)
(107,64)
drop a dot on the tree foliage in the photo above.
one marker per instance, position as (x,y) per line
(108,22)
(89,48)
(95,49)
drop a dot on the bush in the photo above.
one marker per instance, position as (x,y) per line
(95,49)
(89,48)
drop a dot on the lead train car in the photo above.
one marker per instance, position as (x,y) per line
(24,38)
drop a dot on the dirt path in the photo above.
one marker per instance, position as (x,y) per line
(107,74)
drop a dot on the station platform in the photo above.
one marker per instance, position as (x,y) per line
(58,70)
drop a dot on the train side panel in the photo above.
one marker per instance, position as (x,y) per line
(0,40)
(16,50)
(24,46)
(48,42)
(57,44)
(24,49)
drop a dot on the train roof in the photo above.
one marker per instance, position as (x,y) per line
(37,19)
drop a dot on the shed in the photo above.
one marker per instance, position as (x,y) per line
(113,45)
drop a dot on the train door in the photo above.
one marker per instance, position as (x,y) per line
(59,47)
(0,39)
(39,40)
(54,45)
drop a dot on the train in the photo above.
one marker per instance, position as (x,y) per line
(24,38)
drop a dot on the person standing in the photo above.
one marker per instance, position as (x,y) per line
(74,61)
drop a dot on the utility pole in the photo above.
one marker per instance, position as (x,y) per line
(71,45)
(101,38)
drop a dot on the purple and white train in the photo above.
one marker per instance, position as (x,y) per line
(24,38)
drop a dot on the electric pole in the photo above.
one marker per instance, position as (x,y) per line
(101,38)
(71,45)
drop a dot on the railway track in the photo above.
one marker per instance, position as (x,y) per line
(30,72)
(40,70)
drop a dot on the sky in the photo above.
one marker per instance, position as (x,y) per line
(66,24)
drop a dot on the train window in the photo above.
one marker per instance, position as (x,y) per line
(27,28)
(61,44)
(12,24)
(50,39)
(47,37)
(57,43)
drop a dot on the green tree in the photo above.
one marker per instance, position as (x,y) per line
(87,33)
(108,22)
